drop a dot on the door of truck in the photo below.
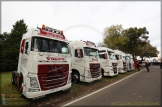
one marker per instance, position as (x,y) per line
(78,60)
(25,55)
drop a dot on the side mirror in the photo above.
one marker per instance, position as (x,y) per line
(105,55)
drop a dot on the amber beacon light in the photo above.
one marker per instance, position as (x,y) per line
(61,32)
(43,26)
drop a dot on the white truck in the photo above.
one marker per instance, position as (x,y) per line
(129,62)
(44,64)
(85,61)
(108,61)
(121,61)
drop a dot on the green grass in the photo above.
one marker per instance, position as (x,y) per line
(14,97)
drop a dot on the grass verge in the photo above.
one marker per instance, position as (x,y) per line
(14,98)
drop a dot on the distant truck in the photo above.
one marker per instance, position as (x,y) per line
(85,61)
(129,62)
(108,61)
(121,61)
(44,64)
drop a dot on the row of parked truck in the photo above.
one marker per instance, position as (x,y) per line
(48,62)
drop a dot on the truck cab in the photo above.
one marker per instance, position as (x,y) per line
(44,64)
(85,61)
(121,61)
(108,61)
(129,62)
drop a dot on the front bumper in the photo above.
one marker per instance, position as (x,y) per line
(110,72)
(42,93)
(90,79)
(120,70)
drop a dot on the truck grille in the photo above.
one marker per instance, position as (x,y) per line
(124,66)
(53,75)
(114,67)
(95,70)
(115,70)
(130,66)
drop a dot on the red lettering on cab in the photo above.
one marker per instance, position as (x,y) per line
(53,58)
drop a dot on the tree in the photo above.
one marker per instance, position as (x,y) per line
(113,37)
(134,38)
(150,51)
(10,47)
(147,51)
(3,37)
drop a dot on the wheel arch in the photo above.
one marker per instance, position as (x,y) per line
(75,71)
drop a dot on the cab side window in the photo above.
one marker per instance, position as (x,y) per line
(77,54)
(117,57)
(27,48)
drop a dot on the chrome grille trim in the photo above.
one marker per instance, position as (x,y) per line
(54,79)
(53,85)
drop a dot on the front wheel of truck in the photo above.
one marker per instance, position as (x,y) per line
(75,77)
(20,84)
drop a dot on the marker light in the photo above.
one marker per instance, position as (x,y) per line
(61,32)
(43,26)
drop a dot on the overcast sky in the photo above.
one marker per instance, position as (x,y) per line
(85,20)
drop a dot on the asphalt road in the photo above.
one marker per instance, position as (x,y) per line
(142,88)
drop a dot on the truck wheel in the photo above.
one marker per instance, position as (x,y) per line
(20,85)
(102,73)
(15,80)
(75,77)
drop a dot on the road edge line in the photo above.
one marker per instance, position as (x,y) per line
(100,89)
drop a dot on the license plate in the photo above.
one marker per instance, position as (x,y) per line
(55,89)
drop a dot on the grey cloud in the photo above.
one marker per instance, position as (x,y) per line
(61,15)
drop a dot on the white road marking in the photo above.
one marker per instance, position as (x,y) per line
(100,89)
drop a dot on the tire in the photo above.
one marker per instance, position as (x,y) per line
(75,77)
(15,79)
(20,85)
(102,74)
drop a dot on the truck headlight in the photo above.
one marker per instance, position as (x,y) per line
(33,82)
(88,72)
(33,90)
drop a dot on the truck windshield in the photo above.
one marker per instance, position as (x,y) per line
(90,51)
(123,57)
(127,58)
(49,45)
(111,55)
